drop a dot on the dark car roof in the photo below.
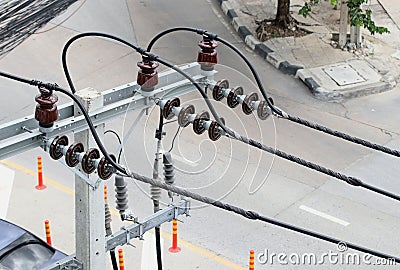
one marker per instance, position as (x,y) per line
(9,233)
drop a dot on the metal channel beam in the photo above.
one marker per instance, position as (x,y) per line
(136,230)
(68,263)
(125,235)
(15,139)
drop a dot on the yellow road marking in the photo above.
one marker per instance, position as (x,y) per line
(114,212)
(49,181)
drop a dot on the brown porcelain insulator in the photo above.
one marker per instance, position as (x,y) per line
(147,75)
(46,110)
(208,56)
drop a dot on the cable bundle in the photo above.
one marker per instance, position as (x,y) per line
(21,18)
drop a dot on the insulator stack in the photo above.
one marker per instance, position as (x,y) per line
(107,219)
(75,153)
(107,212)
(155,193)
(201,122)
(121,195)
(235,96)
(169,172)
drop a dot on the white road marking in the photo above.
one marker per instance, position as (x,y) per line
(6,184)
(149,255)
(323,215)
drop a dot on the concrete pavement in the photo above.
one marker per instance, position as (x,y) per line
(392,7)
(330,73)
(289,189)
(29,208)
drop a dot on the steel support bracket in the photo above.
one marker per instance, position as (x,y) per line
(136,230)
(68,263)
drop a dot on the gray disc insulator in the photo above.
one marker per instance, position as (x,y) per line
(121,193)
(169,173)
(155,193)
(107,220)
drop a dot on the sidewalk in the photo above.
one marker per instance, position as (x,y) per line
(329,72)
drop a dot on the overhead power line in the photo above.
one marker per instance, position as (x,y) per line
(229,132)
(275,109)
(233,134)
(255,216)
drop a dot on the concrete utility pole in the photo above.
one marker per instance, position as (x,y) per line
(89,206)
(344,14)
(48,132)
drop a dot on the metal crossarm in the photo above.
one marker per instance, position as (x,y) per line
(23,134)
(136,230)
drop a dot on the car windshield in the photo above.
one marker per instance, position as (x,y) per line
(27,257)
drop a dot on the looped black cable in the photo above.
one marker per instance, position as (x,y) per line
(227,130)
(89,34)
(275,109)
(247,214)
(83,110)
(141,50)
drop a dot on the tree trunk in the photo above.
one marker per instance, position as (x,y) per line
(282,13)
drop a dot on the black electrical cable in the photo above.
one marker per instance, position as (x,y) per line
(55,87)
(159,135)
(348,179)
(247,214)
(119,141)
(158,247)
(275,109)
(89,34)
(256,216)
(159,132)
(173,140)
(113,259)
(151,57)
(92,129)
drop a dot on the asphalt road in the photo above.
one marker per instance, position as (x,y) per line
(227,169)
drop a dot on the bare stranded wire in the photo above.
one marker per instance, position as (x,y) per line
(245,213)
(249,214)
(252,215)
(231,133)
(275,109)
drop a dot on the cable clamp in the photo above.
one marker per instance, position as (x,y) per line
(210,35)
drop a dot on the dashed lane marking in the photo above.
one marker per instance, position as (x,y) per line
(324,215)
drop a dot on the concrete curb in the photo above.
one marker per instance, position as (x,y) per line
(324,94)
(318,88)
(252,42)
